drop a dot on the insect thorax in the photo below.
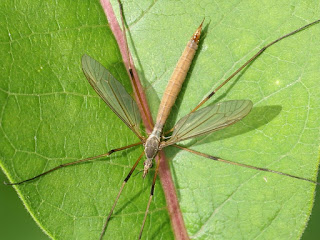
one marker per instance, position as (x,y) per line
(151,148)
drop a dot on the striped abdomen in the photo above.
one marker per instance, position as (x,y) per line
(178,76)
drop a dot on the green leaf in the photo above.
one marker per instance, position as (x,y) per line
(281,133)
(50,115)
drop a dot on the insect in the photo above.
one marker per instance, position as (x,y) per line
(96,64)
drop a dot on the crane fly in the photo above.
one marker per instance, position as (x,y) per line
(199,122)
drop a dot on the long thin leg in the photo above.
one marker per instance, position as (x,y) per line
(124,34)
(75,162)
(118,196)
(250,60)
(151,195)
(133,80)
(244,165)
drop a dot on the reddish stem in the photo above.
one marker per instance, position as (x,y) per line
(117,32)
(166,180)
(179,229)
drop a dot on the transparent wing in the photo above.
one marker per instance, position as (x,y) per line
(209,119)
(113,93)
